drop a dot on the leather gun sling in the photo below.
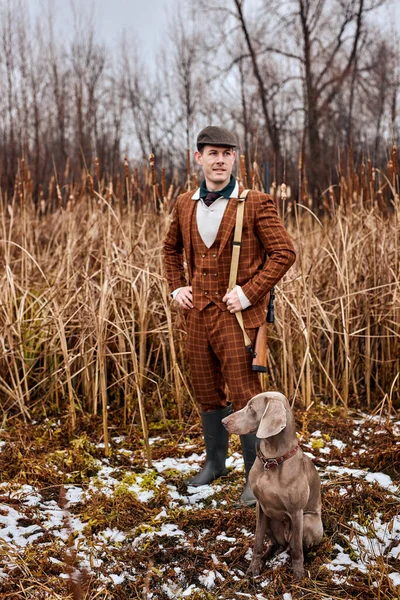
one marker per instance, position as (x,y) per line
(237,242)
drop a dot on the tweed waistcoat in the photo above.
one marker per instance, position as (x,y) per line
(266,253)
(206,283)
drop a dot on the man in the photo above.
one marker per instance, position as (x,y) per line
(202,227)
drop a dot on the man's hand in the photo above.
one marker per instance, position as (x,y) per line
(232,301)
(184,297)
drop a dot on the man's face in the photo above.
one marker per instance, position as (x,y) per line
(217,163)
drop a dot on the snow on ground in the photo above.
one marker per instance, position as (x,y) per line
(366,543)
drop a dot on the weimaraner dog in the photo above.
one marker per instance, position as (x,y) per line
(284,481)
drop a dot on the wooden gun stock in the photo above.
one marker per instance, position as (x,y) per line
(260,347)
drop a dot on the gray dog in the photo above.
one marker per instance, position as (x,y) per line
(284,481)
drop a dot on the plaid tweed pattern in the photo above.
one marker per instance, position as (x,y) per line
(266,254)
(215,347)
(206,280)
(217,356)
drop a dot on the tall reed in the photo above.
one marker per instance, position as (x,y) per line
(87,324)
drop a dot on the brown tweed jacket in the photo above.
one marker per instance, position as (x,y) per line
(266,254)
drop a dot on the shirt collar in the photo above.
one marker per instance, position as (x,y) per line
(229,191)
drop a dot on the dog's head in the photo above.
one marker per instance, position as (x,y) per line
(265,415)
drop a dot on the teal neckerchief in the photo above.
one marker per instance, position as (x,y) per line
(225,192)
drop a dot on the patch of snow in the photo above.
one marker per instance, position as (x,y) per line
(384,480)
(74,494)
(394,553)
(200,493)
(112,535)
(325,450)
(339,444)
(119,439)
(395,577)
(223,537)
(153,440)
(182,465)
(208,579)
(117,579)
(249,554)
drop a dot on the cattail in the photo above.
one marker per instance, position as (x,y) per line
(195,181)
(272,190)
(126,167)
(391,172)
(59,195)
(394,160)
(118,188)
(70,203)
(110,191)
(90,187)
(23,171)
(97,168)
(163,183)
(369,167)
(66,170)
(283,192)
(42,203)
(152,169)
(243,170)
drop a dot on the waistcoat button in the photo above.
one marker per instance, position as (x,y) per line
(205,293)
(216,293)
(214,256)
(204,272)
(215,274)
(203,255)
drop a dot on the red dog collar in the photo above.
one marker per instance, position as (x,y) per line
(270,463)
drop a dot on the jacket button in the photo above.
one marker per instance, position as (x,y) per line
(215,274)
(205,293)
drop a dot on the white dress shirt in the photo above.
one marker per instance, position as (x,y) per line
(208,222)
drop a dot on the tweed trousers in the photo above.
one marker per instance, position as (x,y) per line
(218,359)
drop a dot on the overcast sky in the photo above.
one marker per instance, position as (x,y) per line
(144,20)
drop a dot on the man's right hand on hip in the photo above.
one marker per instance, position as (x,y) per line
(184,297)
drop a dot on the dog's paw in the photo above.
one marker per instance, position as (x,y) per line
(255,567)
(298,572)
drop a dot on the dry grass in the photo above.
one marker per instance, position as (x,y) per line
(87,322)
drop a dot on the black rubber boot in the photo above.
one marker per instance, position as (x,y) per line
(250,443)
(216,440)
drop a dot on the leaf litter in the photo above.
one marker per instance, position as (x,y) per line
(76,524)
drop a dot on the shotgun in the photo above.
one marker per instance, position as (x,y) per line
(260,346)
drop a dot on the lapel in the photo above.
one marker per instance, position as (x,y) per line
(189,207)
(228,221)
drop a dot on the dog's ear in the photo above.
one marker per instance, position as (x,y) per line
(273,420)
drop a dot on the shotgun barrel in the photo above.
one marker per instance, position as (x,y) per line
(260,347)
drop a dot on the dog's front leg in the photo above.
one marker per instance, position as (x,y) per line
(296,544)
(261,527)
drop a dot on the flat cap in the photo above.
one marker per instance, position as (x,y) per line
(215,136)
